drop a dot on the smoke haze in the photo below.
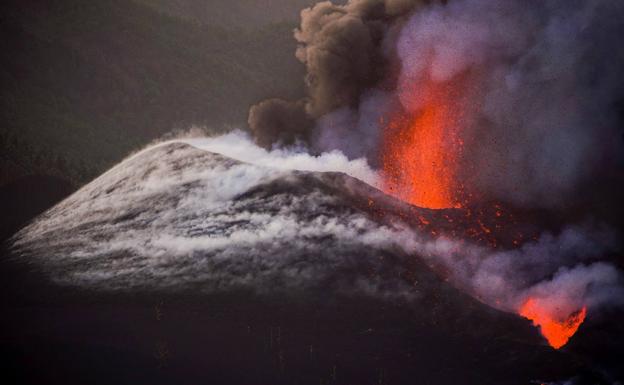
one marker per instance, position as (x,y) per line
(537,85)
(564,271)
(540,83)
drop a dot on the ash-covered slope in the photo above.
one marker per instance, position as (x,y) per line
(177,217)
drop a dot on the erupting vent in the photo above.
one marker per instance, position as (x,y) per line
(423,153)
(422,148)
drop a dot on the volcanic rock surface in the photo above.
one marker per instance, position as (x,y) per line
(297,277)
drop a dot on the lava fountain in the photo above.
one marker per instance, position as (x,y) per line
(422,160)
(556,331)
(422,147)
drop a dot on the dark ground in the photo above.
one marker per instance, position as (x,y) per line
(51,334)
(56,335)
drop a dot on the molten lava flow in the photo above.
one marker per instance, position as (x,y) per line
(422,148)
(557,332)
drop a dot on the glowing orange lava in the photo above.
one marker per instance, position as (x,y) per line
(557,332)
(422,148)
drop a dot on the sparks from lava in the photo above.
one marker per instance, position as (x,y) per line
(556,331)
(421,157)
(422,148)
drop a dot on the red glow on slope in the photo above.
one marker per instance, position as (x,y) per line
(556,331)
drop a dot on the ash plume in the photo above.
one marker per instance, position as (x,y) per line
(343,49)
(543,119)
(277,121)
(539,86)
(542,95)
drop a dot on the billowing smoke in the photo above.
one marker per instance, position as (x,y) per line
(547,79)
(529,94)
(239,146)
(540,86)
(343,48)
(276,121)
(564,272)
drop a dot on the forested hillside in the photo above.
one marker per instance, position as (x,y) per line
(85,82)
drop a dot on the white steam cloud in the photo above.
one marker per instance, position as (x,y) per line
(240,146)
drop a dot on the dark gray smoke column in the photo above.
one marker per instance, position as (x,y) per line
(279,121)
(343,49)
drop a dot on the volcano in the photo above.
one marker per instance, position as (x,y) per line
(201,265)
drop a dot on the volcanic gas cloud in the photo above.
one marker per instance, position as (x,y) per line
(461,103)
